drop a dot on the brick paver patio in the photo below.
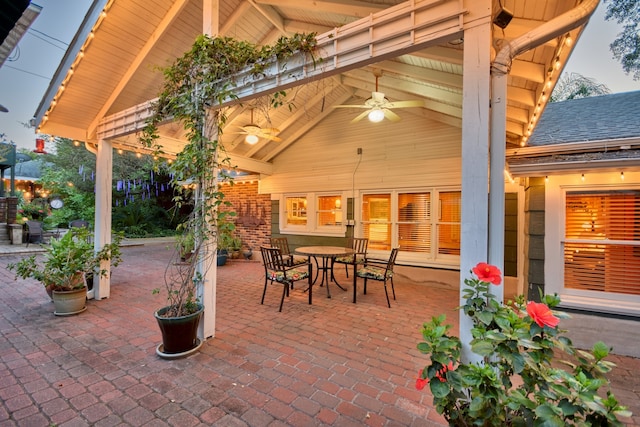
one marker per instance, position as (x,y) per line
(332,363)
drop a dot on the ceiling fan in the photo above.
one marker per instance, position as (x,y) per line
(254,132)
(378,107)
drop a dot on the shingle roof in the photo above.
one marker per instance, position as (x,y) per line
(595,118)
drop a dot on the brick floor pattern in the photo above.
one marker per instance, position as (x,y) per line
(333,363)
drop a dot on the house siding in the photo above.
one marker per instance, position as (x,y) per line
(415,152)
(534,237)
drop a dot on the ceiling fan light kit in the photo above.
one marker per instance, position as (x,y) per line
(251,139)
(376,115)
(378,107)
(254,132)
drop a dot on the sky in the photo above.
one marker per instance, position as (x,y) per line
(25,76)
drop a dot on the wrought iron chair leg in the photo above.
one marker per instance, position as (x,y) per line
(285,290)
(387,294)
(264,292)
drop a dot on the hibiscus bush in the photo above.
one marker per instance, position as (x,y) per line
(529,374)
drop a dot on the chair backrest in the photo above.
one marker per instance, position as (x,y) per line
(392,259)
(281,243)
(272,258)
(79,223)
(35,227)
(359,245)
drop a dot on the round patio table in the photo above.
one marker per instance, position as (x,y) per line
(327,254)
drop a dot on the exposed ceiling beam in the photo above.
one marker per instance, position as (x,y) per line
(235,16)
(426,74)
(393,86)
(292,119)
(304,129)
(440,53)
(358,9)
(271,15)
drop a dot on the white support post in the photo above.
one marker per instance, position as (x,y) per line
(475,162)
(207,264)
(496,173)
(102,229)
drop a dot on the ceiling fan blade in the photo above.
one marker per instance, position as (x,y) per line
(272,138)
(360,116)
(405,104)
(390,115)
(350,106)
(269,131)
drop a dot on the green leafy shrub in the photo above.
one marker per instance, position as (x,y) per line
(518,381)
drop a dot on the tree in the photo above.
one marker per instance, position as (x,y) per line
(574,86)
(626,47)
(138,210)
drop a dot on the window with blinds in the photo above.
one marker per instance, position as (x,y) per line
(414,219)
(602,241)
(449,218)
(329,211)
(414,222)
(376,220)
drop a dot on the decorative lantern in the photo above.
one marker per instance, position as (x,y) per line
(39,146)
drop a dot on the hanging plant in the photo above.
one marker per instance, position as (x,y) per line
(195,87)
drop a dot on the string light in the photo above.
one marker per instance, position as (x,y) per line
(622,176)
(582,177)
(546,178)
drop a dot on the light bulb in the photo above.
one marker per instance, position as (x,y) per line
(376,115)
(251,139)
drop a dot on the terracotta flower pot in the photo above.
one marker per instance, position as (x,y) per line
(67,303)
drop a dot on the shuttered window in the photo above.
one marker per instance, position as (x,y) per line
(602,241)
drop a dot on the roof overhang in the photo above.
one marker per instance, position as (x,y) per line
(15,19)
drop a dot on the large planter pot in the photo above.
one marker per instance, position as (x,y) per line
(67,303)
(221,259)
(179,334)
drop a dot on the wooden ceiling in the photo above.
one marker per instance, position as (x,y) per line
(114,64)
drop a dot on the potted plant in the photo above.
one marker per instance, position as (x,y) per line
(195,87)
(185,244)
(224,246)
(67,262)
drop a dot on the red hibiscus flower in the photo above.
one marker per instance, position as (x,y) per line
(542,314)
(488,273)
(442,372)
(421,382)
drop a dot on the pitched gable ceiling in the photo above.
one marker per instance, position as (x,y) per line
(114,64)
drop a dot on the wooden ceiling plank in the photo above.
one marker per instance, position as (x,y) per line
(528,70)
(164,25)
(304,129)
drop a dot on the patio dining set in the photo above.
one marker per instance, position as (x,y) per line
(284,267)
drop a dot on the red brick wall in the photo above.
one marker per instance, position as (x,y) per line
(253,220)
